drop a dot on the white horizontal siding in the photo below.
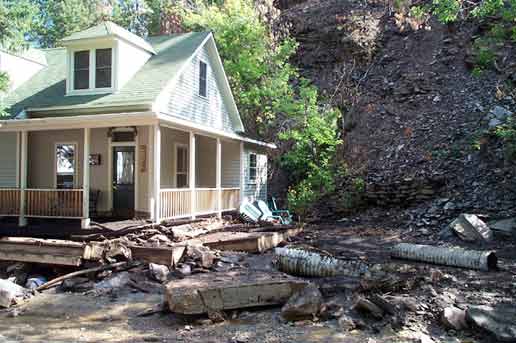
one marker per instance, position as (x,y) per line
(8,150)
(186,103)
(230,164)
(255,190)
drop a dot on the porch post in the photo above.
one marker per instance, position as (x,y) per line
(191,175)
(218,173)
(22,220)
(85,223)
(242,171)
(157,173)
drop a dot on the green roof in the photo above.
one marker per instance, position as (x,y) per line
(107,29)
(48,87)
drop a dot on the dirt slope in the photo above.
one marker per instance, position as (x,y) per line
(412,107)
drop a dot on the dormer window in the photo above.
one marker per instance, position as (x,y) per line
(103,63)
(92,71)
(81,73)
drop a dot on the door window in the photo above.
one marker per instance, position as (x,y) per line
(124,168)
(65,165)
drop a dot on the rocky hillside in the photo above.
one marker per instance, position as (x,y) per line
(413,109)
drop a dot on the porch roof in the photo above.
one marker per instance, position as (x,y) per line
(47,89)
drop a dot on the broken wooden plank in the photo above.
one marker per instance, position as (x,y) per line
(253,242)
(41,258)
(169,256)
(204,293)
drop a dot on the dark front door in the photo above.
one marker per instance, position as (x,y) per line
(123,181)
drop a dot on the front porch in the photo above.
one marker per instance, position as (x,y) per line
(155,171)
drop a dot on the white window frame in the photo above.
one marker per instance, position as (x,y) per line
(255,180)
(178,146)
(92,70)
(199,78)
(76,162)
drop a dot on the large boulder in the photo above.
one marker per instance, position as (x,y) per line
(454,318)
(470,228)
(303,304)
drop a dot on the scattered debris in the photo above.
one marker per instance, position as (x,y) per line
(113,282)
(203,293)
(299,261)
(158,272)
(10,293)
(203,255)
(499,320)
(346,323)
(35,281)
(365,305)
(471,228)
(77,284)
(455,256)
(303,304)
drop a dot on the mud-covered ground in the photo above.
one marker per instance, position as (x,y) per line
(73,317)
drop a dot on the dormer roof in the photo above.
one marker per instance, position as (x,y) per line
(107,29)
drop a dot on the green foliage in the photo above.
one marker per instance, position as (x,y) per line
(310,160)
(484,54)
(418,12)
(17,18)
(257,65)
(447,11)
(4,81)
(487,8)
(507,132)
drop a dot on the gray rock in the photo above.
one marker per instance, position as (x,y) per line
(499,320)
(454,318)
(507,226)
(114,282)
(303,304)
(10,292)
(471,229)
(494,122)
(500,113)
(77,284)
(158,272)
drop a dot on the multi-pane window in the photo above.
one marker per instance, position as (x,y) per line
(103,64)
(65,165)
(203,74)
(181,166)
(253,167)
(81,71)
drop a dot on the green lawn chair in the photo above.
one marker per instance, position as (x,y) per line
(277,212)
(267,214)
(249,212)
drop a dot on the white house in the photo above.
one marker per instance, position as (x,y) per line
(149,128)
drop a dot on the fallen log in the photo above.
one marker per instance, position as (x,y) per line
(54,282)
(301,262)
(455,256)
(208,293)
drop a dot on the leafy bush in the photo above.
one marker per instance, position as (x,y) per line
(273,100)
(447,11)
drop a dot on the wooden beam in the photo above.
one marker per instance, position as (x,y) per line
(205,293)
(169,256)
(242,172)
(245,241)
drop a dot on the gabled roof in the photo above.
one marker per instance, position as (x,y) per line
(47,89)
(107,29)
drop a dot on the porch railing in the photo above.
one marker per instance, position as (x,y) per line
(230,198)
(54,203)
(9,201)
(176,202)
